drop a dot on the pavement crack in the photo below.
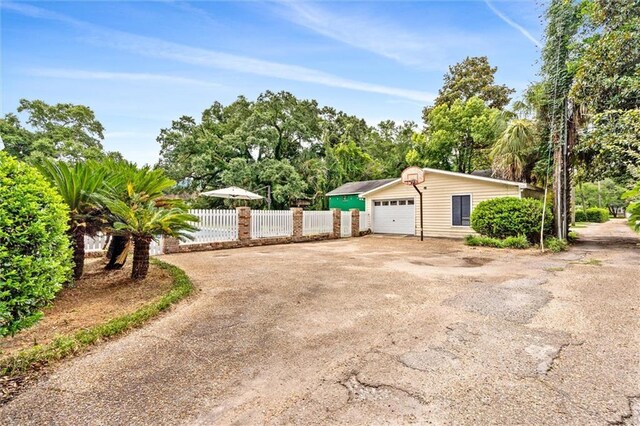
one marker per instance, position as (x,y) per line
(555,356)
(632,416)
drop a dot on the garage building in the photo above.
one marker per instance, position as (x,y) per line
(448,200)
(347,196)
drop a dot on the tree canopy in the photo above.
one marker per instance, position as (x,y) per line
(62,131)
(459,137)
(472,77)
(295,146)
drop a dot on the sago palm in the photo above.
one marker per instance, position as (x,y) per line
(513,149)
(125,182)
(143,220)
(80,185)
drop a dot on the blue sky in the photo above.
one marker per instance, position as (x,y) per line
(139,65)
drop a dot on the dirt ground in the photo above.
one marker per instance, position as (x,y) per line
(98,297)
(374,330)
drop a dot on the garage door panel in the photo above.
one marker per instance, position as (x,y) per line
(394,217)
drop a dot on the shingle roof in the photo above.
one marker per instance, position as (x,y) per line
(359,187)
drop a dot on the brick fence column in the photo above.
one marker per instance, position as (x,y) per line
(244,223)
(355,222)
(170,245)
(297,222)
(336,222)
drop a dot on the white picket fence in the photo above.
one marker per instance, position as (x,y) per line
(214,226)
(364,221)
(93,244)
(345,224)
(97,244)
(271,223)
(314,223)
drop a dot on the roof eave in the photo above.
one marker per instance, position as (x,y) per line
(379,188)
(486,179)
(329,194)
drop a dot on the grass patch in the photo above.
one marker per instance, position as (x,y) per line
(519,242)
(554,269)
(592,261)
(64,346)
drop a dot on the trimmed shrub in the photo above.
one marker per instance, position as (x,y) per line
(510,217)
(35,257)
(597,215)
(581,216)
(555,244)
(519,242)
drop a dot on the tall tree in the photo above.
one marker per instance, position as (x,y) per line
(61,131)
(458,138)
(473,77)
(563,21)
(513,151)
(607,85)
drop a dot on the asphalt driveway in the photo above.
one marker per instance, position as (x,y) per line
(373,330)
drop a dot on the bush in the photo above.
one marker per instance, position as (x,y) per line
(519,242)
(555,244)
(510,217)
(581,216)
(34,249)
(597,215)
(475,240)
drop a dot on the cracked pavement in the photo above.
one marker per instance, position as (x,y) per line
(376,330)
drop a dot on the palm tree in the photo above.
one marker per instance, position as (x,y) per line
(512,151)
(80,185)
(127,181)
(143,220)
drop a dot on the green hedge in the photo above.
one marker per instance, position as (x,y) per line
(35,258)
(510,217)
(592,214)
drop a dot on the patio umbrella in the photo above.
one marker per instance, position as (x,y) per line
(234,193)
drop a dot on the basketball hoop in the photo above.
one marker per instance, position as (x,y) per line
(412,176)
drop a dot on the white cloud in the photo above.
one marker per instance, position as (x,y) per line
(153,47)
(513,24)
(75,74)
(376,35)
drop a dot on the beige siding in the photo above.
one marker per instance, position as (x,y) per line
(437,200)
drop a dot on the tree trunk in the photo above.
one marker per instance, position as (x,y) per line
(77,235)
(140,257)
(117,252)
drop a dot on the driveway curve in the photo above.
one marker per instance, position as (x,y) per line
(373,330)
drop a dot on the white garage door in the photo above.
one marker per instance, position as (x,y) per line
(394,217)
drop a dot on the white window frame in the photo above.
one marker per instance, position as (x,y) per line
(451,209)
